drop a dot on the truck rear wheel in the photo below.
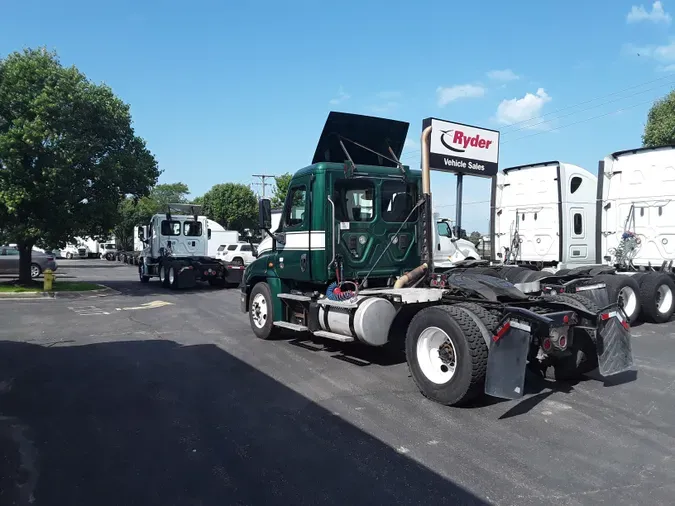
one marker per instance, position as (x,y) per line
(583,356)
(446,355)
(260,312)
(657,291)
(625,291)
(163,275)
(173,280)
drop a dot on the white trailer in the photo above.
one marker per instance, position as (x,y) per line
(560,217)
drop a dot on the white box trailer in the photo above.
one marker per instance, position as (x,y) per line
(560,217)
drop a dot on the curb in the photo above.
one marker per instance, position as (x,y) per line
(101,292)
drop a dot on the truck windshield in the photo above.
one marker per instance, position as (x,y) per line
(397,200)
(353,200)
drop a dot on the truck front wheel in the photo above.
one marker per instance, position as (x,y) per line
(446,355)
(260,311)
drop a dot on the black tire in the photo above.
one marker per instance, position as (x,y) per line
(164,275)
(143,279)
(489,318)
(267,330)
(652,288)
(616,284)
(35,270)
(468,381)
(174,272)
(583,357)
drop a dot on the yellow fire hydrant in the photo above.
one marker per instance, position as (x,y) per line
(48,276)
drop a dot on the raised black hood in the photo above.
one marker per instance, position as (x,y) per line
(374,133)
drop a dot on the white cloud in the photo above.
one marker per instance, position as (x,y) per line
(657,14)
(452,93)
(341,97)
(526,110)
(503,75)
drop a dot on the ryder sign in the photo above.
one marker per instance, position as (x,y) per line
(462,149)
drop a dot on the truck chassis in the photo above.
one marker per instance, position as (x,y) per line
(185,272)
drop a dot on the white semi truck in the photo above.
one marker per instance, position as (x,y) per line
(562,219)
(175,250)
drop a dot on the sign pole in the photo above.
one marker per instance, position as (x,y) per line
(458,216)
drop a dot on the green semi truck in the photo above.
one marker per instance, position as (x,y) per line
(352,260)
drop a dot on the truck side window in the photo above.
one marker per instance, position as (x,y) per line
(354,200)
(192,228)
(295,210)
(170,227)
(575,183)
(397,200)
(578,224)
(443,229)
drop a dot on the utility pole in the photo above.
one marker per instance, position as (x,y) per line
(262,183)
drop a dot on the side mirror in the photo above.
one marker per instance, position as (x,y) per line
(265,214)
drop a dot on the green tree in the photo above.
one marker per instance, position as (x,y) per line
(233,205)
(68,155)
(660,127)
(475,237)
(282,183)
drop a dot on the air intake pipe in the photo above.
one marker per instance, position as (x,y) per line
(427,212)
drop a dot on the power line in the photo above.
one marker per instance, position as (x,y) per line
(263,177)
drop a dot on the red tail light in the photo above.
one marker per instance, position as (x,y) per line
(50,259)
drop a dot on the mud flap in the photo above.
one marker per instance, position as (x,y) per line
(595,292)
(507,361)
(615,352)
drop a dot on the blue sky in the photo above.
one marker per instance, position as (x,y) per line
(223,90)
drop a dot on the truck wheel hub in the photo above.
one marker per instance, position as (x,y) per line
(436,355)
(259,310)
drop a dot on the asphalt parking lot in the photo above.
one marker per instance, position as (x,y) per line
(150,396)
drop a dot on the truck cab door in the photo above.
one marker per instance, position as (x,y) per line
(293,251)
